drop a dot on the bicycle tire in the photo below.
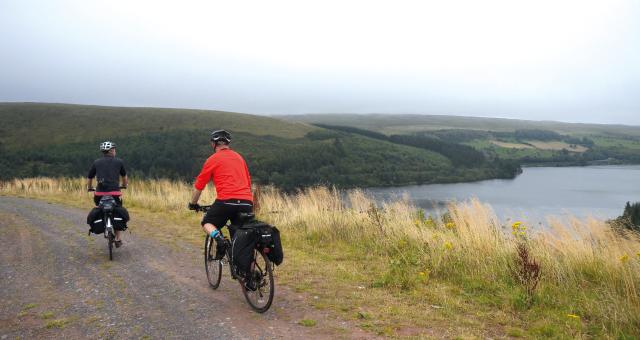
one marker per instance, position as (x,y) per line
(212,267)
(110,241)
(256,299)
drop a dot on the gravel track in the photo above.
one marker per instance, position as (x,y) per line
(56,281)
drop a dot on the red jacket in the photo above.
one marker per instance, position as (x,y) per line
(229,173)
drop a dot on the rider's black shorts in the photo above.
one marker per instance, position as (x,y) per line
(96,200)
(223,211)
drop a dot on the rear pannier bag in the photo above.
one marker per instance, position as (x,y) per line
(276,255)
(120,218)
(269,237)
(242,246)
(95,221)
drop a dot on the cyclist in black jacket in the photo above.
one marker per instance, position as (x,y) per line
(107,171)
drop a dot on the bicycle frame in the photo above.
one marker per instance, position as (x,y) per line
(108,218)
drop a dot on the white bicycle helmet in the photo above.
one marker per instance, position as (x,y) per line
(106,146)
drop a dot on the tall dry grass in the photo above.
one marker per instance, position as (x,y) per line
(585,261)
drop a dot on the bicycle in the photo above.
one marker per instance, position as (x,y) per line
(261,267)
(107,206)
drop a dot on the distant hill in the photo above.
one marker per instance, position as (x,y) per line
(409,123)
(62,140)
(526,142)
(36,124)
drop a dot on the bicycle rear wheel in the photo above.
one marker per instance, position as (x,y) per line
(212,267)
(110,239)
(262,270)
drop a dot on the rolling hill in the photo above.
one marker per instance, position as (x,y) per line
(40,139)
(409,123)
(526,142)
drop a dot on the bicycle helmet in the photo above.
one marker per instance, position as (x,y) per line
(106,146)
(221,136)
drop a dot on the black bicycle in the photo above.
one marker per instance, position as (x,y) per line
(107,206)
(261,272)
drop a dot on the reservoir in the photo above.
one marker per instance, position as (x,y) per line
(537,193)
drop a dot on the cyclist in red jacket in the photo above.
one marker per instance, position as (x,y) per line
(232,181)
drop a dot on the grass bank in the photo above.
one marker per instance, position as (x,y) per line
(400,273)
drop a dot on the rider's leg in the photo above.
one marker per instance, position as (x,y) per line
(216,216)
(208,228)
(117,235)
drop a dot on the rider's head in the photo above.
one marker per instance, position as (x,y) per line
(219,138)
(108,147)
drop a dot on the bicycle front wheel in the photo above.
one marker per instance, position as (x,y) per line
(212,267)
(262,270)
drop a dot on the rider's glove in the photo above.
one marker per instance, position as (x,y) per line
(194,206)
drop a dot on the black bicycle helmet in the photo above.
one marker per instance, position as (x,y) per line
(106,146)
(221,136)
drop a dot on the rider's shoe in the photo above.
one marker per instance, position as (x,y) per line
(253,281)
(250,284)
(221,249)
(118,243)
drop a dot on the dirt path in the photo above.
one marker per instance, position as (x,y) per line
(55,281)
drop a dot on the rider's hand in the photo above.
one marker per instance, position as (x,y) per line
(194,206)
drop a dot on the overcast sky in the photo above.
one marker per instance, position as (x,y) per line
(567,60)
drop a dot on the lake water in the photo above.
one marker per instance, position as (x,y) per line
(598,191)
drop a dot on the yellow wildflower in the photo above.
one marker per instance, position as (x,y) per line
(422,274)
(624,258)
(573,316)
(448,245)
(638,254)
(450,225)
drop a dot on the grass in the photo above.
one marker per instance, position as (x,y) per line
(57,323)
(47,315)
(394,271)
(29,306)
(308,322)
(557,145)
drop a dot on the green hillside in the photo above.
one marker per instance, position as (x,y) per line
(525,142)
(409,123)
(62,140)
(36,124)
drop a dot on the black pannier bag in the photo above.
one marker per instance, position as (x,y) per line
(269,237)
(276,255)
(95,221)
(242,246)
(120,218)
